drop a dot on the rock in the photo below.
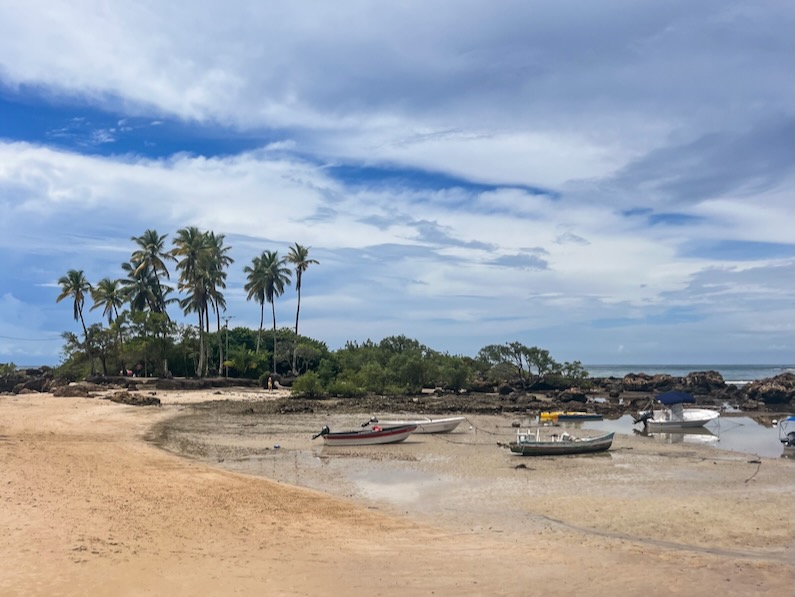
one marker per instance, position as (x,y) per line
(124,397)
(642,382)
(573,395)
(703,382)
(72,391)
(775,390)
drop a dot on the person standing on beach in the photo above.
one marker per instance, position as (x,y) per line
(270,383)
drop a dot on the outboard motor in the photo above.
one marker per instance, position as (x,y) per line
(790,440)
(372,420)
(323,431)
(643,417)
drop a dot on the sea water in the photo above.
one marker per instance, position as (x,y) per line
(733,374)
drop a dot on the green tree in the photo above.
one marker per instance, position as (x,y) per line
(277,276)
(193,251)
(109,295)
(255,287)
(218,262)
(298,256)
(529,365)
(151,256)
(74,285)
(267,276)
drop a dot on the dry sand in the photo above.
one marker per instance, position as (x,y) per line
(88,507)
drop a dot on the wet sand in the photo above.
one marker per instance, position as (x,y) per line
(89,506)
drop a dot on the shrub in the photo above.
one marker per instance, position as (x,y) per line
(345,389)
(308,386)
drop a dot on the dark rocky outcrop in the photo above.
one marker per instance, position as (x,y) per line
(125,397)
(642,382)
(776,390)
(75,390)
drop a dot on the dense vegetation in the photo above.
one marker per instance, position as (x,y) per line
(137,336)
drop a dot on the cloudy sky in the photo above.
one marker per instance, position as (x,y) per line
(612,181)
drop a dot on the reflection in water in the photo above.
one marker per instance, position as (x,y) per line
(694,435)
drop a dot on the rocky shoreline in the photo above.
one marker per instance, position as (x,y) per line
(606,396)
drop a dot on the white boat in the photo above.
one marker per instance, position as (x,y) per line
(673,414)
(423,424)
(366,437)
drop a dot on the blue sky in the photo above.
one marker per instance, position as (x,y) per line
(612,181)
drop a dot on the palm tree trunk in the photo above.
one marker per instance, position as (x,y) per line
(261,321)
(207,327)
(88,342)
(220,344)
(295,340)
(200,368)
(273,308)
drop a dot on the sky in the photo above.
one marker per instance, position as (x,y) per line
(611,181)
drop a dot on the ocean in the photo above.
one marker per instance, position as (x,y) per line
(734,374)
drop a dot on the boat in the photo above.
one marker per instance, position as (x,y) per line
(366,437)
(424,424)
(786,434)
(530,444)
(555,416)
(673,415)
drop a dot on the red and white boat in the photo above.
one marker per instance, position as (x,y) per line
(366,437)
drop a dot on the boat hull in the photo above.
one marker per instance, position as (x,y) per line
(369,437)
(569,416)
(563,448)
(428,425)
(691,417)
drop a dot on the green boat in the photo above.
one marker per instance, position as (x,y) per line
(530,444)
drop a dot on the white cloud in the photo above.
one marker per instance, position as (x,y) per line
(673,107)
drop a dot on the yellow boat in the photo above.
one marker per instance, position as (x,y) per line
(556,416)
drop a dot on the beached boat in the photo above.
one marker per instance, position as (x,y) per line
(555,416)
(673,415)
(366,437)
(530,444)
(423,424)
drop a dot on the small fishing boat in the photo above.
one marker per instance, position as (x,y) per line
(556,416)
(424,424)
(365,437)
(530,444)
(673,415)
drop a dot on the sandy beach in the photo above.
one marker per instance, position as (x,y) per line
(88,506)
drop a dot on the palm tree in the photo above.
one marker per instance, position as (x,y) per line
(108,295)
(277,276)
(255,287)
(140,287)
(298,256)
(152,255)
(74,285)
(192,247)
(218,262)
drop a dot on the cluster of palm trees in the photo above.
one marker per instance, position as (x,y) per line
(201,259)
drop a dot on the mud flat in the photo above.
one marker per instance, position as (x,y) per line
(89,504)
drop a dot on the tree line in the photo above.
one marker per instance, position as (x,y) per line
(136,305)
(138,336)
